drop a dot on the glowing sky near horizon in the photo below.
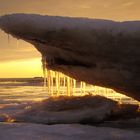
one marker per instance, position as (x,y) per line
(10,54)
(21,68)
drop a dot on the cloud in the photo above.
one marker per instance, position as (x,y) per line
(10,51)
(128,4)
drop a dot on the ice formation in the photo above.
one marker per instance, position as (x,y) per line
(29,131)
(72,109)
(99,52)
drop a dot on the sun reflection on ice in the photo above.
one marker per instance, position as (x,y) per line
(58,84)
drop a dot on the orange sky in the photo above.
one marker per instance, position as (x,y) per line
(24,60)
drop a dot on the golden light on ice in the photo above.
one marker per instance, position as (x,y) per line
(59,84)
(9,119)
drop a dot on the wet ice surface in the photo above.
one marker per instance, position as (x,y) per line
(21,93)
(15,99)
(62,132)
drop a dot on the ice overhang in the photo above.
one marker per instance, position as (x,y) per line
(99,52)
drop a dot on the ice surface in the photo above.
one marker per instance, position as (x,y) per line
(59,110)
(86,109)
(70,110)
(63,132)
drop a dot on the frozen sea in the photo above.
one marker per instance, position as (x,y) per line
(17,94)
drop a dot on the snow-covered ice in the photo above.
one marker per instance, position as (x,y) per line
(60,110)
(63,132)
(99,52)
(71,108)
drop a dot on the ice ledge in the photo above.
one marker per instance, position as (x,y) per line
(109,49)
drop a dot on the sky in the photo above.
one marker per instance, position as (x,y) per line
(23,60)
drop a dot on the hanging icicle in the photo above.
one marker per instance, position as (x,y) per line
(49,82)
(45,80)
(59,83)
(44,69)
(81,87)
(57,77)
(8,37)
(52,82)
(64,81)
(84,87)
(68,86)
(74,86)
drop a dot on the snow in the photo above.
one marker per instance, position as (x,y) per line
(25,131)
(67,110)
(85,110)
(62,110)
(47,23)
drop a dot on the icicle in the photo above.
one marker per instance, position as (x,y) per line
(106,92)
(8,39)
(68,86)
(44,72)
(52,82)
(44,69)
(84,87)
(74,86)
(63,87)
(64,81)
(81,87)
(71,87)
(57,83)
(95,90)
(49,82)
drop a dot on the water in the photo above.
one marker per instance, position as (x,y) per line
(21,94)
(17,95)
